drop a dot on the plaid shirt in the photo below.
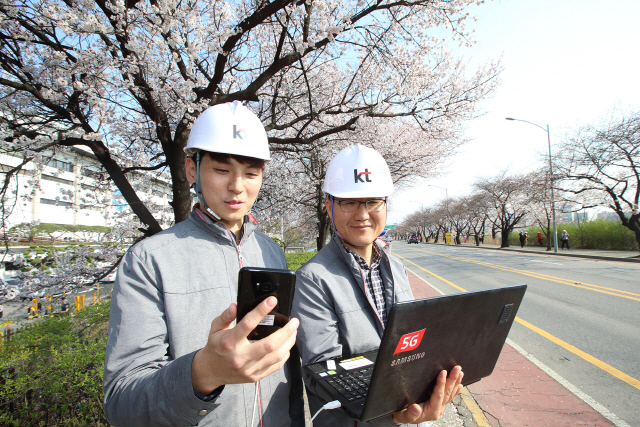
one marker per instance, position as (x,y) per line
(373,282)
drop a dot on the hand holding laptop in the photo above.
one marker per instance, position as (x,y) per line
(445,391)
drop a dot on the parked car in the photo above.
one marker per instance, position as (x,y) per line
(111,277)
(37,294)
(413,239)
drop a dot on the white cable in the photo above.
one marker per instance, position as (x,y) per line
(255,400)
(331,405)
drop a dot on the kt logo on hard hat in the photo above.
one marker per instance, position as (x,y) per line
(236,133)
(363,161)
(357,177)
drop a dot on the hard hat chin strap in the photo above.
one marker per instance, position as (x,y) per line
(335,229)
(198,189)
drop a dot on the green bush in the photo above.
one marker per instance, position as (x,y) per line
(52,371)
(597,234)
(296,259)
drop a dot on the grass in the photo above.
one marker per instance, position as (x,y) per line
(296,259)
(597,234)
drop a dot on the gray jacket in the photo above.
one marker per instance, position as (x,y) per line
(168,290)
(337,318)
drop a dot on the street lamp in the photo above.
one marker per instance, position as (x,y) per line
(446,204)
(445,191)
(553,200)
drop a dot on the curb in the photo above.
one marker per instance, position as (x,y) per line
(598,257)
(470,411)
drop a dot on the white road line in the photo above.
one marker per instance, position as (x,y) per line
(425,281)
(553,374)
(573,389)
(544,262)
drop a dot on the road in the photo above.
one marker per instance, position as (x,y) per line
(15,310)
(579,317)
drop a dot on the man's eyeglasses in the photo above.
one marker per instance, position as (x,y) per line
(349,206)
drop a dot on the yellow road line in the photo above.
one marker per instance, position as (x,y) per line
(522,271)
(567,282)
(633,382)
(600,364)
(431,273)
(473,407)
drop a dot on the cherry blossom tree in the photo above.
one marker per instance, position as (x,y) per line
(600,166)
(459,217)
(477,207)
(127,79)
(507,195)
(540,209)
(428,221)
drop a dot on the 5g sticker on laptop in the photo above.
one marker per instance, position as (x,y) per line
(409,342)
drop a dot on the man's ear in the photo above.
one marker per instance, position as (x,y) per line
(190,166)
(327,205)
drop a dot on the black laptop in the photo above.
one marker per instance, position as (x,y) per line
(422,337)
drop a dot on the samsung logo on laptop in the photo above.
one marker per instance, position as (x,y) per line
(406,359)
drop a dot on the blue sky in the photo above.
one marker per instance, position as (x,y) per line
(566,63)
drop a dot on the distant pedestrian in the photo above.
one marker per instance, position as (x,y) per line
(65,306)
(526,238)
(565,239)
(522,238)
(540,238)
(481,237)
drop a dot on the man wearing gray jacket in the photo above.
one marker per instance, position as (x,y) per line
(172,358)
(344,293)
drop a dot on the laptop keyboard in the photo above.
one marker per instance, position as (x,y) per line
(352,385)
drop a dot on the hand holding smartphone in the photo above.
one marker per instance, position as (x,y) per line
(256,284)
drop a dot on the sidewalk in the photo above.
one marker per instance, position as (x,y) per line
(518,393)
(625,256)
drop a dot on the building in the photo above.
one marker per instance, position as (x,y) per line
(70,187)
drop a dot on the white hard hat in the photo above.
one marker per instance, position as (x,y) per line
(358,171)
(230,129)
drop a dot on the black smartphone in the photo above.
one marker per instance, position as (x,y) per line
(256,284)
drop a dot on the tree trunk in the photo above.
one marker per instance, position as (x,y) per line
(549,236)
(635,227)
(632,223)
(324,222)
(176,159)
(324,231)
(504,239)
